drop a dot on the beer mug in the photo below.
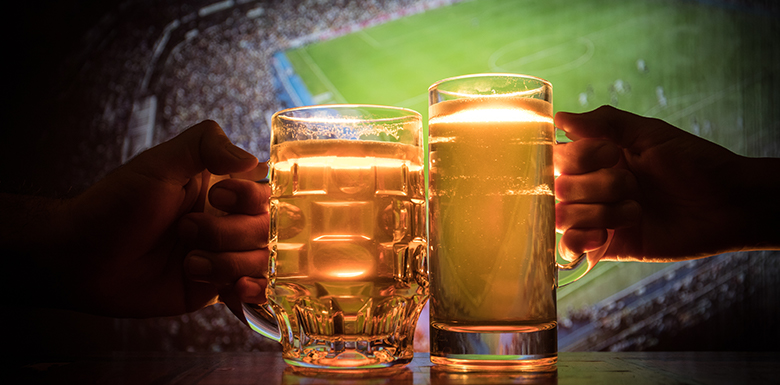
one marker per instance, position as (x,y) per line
(493,269)
(347,276)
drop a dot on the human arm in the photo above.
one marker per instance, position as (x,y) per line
(125,246)
(668,194)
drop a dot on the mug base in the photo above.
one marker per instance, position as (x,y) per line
(346,365)
(486,349)
(340,355)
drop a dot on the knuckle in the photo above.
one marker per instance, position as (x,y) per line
(605,109)
(210,125)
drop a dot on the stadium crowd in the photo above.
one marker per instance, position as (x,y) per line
(222,71)
(201,59)
(675,303)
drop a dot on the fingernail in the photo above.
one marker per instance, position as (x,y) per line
(197,266)
(222,197)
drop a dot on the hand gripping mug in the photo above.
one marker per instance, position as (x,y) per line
(347,276)
(493,269)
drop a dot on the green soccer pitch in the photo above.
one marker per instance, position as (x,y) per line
(705,68)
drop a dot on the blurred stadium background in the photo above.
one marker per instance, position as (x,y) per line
(91,83)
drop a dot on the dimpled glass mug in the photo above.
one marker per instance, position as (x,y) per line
(347,275)
(493,268)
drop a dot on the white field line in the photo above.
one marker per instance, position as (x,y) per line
(321,75)
(368,39)
(562,47)
(586,40)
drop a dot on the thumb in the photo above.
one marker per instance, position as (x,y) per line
(203,146)
(605,122)
(623,128)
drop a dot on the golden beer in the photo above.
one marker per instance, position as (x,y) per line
(492,218)
(348,275)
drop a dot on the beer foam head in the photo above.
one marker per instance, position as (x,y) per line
(351,122)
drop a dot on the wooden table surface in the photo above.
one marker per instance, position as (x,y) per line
(635,368)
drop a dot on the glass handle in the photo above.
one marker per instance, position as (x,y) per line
(583,263)
(262,320)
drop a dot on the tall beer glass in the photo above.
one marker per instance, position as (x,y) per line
(492,223)
(347,275)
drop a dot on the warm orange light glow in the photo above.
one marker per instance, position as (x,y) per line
(349,274)
(339,238)
(352,162)
(496,115)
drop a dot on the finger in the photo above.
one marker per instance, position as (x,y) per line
(200,147)
(259,173)
(605,122)
(591,215)
(607,185)
(225,268)
(240,196)
(246,289)
(584,155)
(627,130)
(574,242)
(251,289)
(233,232)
